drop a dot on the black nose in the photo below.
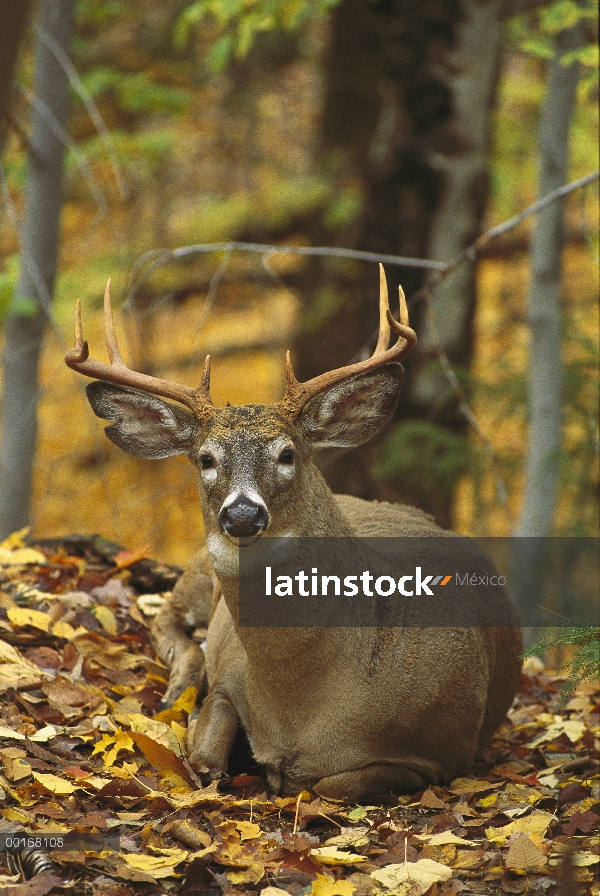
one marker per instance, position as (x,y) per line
(243,518)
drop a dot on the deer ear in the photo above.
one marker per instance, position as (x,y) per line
(143,425)
(353,411)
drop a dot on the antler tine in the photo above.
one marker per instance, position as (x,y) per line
(77,358)
(383,339)
(109,330)
(298,394)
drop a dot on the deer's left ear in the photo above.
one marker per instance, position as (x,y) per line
(353,411)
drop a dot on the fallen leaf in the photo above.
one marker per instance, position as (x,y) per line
(571,727)
(419,875)
(22,616)
(106,618)
(445,838)
(325,886)
(165,761)
(537,824)
(21,557)
(331,855)
(53,783)
(157,866)
(248,830)
(524,855)
(350,837)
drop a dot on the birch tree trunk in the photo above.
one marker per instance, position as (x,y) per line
(544,319)
(26,320)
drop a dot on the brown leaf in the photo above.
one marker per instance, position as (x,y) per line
(430,801)
(37,886)
(588,821)
(163,760)
(524,855)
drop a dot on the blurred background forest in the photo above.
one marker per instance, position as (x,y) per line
(396,127)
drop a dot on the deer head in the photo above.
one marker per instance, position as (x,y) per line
(254,461)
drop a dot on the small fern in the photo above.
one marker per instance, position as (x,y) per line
(584,665)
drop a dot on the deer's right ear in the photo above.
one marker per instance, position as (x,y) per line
(143,425)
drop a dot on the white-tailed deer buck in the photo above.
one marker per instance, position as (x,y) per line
(351,711)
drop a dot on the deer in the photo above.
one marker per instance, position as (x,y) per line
(350,712)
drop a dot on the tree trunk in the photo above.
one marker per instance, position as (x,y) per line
(544,318)
(27,315)
(14,15)
(409,88)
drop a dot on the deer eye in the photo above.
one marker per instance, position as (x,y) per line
(207,461)
(286,456)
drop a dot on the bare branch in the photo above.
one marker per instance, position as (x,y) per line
(67,140)
(472,252)
(87,100)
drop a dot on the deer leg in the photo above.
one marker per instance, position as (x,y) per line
(212,733)
(187,609)
(379,778)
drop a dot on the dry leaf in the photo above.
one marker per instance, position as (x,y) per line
(164,760)
(524,855)
(106,618)
(350,837)
(248,830)
(419,875)
(53,783)
(157,866)
(22,616)
(536,824)
(331,855)
(444,838)
(325,886)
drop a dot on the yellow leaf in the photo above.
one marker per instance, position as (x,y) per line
(106,618)
(21,557)
(63,630)
(325,886)
(331,855)
(21,617)
(536,824)
(157,866)
(12,814)
(15,539)
(53,783)
(248,830)
(186,700)
(419,876)
(250,875)
(581,859)
(444,838)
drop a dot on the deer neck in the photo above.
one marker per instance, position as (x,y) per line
(315,515)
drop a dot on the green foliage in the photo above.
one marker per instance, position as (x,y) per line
(273,205)
(585,663)
(136,92)
(429,457)
(241,21)
(535,31)
(8,280)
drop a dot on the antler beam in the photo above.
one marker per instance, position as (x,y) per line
(77,358)
(298,394)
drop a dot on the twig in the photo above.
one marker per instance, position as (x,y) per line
(62,135)
(474,250)
(87,100)
(296,816)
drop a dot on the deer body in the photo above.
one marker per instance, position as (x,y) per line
(349,711)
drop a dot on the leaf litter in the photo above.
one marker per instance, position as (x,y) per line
(87,754)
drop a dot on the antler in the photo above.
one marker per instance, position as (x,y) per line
(198,400)
(298,394)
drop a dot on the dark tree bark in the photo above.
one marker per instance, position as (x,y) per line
(409,86)
(14,15)
(25,323)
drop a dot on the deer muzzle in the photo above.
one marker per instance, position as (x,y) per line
(243,517)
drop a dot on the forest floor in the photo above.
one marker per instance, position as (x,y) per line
(96,786)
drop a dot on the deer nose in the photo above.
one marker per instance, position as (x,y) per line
(243,518)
